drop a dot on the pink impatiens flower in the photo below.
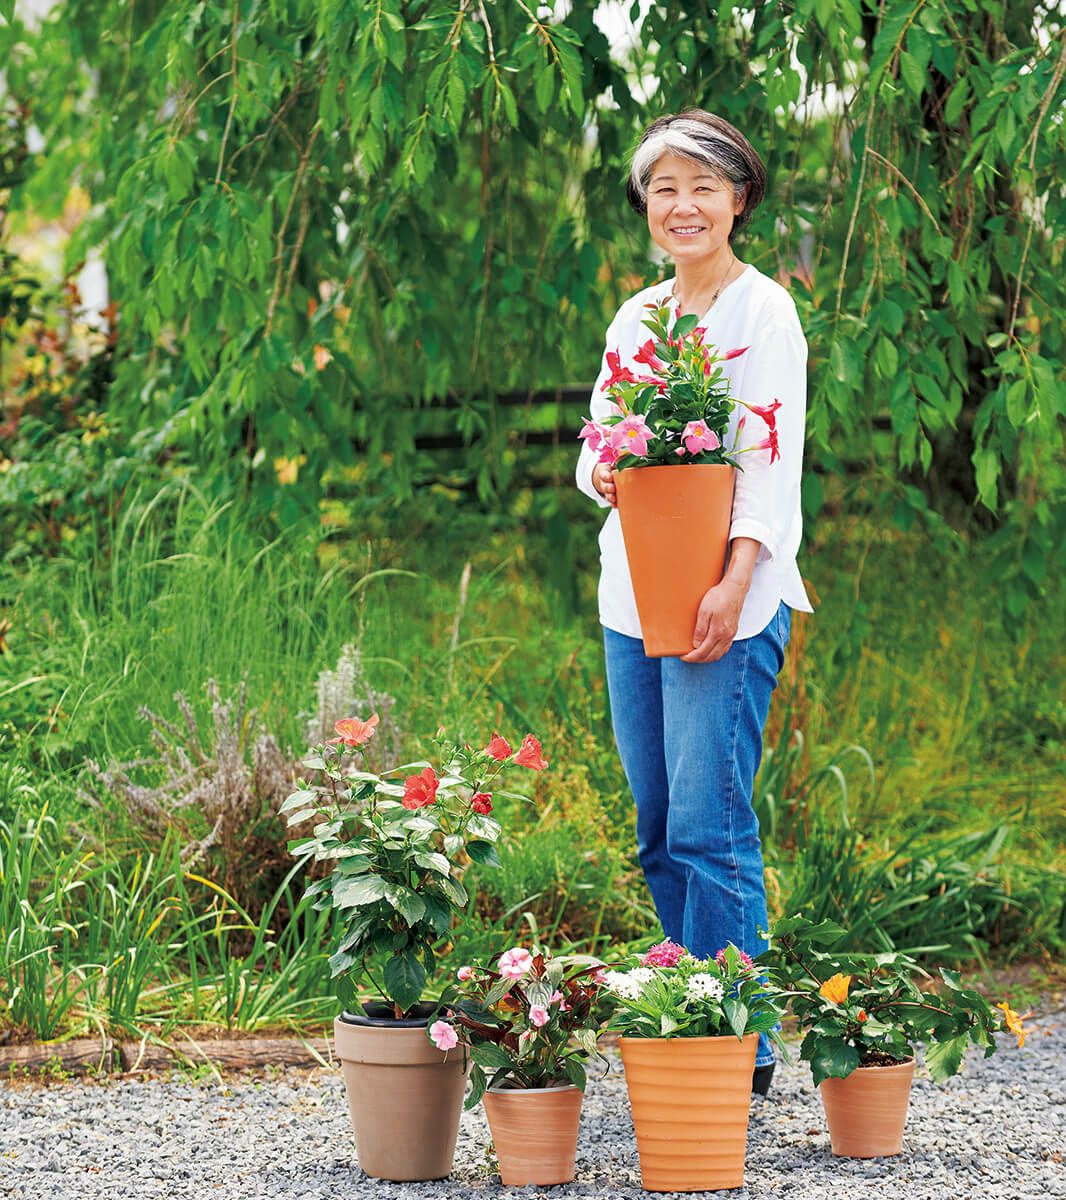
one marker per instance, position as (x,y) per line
(465,973)
(515,963)
(443,1035)
(538,1015)
(697,437)
(665,954)
(630,436)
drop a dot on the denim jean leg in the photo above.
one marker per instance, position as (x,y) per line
(713,718)
(635,690)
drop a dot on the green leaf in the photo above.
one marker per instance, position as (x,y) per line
(484,853)
(433,861)
(407,903)
(438,911)
(832,1058)
(455,892)
(491,1056)
(944,1058)
(736,1014)
(404,979)
(351,892)
(298,799)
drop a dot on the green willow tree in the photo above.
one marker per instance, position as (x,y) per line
(318,215)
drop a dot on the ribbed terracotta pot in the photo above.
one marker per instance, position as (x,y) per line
(405,1096)
(690,1099)
(866,1111)
(675,524)
(534,1131)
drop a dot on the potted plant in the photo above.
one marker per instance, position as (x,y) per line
(673,416)
(862,1015)
(689,1032)
(398,844)
(529,1027)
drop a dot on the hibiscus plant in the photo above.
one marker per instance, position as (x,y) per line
(398,843)
(868,1010)
(669,993)
(677,409)
(528,1021)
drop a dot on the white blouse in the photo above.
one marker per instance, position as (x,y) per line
(757,312)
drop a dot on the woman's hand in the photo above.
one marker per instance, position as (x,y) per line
(716,622)
(603,482)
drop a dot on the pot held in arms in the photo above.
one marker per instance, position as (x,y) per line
(675,523)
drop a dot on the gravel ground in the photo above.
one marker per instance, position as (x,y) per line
(996,1132)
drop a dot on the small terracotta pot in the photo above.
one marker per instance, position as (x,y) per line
(534,1131)
(866,1111)
(690,1099)
(675,524)
(405,1096)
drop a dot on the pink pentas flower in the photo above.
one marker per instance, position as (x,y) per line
(631,434)
(538,1015)
(665,954)
(465,973)
(745,959)
(443,1035)
(619,374)
(515,963)
(646,355)
(697,437)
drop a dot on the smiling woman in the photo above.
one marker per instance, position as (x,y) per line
(689,729)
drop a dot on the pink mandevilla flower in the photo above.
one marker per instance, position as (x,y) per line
(538,1015)
(609,454)
(697,438)
(443,1035)
(665,954)
(515,963)
(630,436)
(592,434)
(619,374)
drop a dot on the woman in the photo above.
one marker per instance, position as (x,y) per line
(689,730)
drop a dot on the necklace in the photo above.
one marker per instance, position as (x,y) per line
(718,290)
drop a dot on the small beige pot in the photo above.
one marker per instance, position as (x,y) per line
(866,1111)
(534,1131)
(405,1097)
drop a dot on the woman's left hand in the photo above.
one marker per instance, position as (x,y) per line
(717,621)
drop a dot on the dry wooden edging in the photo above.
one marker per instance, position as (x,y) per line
(104,1056)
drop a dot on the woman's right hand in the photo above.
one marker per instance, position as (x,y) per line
(603,482)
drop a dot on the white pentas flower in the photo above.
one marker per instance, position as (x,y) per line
(703,987)
(623,984)
(642,975)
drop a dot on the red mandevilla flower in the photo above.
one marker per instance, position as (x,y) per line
(646,355)
(619,374)
(498,748)
(768,412)
(481,802)
(529,754)
(770,443)
(420,790)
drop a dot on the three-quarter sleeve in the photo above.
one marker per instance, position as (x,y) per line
(766,502)
(599,407)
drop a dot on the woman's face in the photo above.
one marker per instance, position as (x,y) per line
(690,209)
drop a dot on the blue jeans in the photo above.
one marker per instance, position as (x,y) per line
(690,739)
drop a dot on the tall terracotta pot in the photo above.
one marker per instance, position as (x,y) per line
(675,524)
(690,1099)
(405,1096)
(866,1111)
(534,1131)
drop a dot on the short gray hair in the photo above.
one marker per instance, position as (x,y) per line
(703,138)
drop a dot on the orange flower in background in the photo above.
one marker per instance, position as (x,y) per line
(354,732)
(529,754)
(1013,1022)
(835,989)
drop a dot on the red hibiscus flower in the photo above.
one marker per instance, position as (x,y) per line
(420,790)
(529,754)
(354,732)
(498,748)
(481,802)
